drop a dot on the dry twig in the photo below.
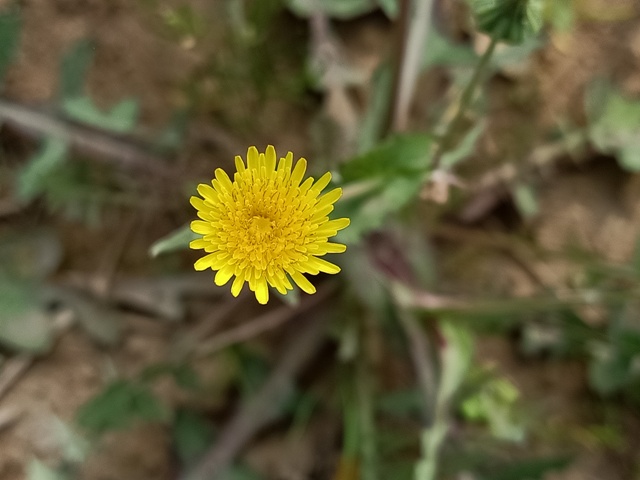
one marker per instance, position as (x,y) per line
(264,407)
(117,148)
(12,371)
(261,324)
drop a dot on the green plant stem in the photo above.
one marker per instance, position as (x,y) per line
(351,420)
(364,391)
(444,144)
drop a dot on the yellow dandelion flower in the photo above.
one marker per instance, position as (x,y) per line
(266,226)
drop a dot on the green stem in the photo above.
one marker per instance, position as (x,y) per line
(465,100)
(364,391)
(351,418)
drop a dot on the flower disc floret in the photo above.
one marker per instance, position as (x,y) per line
(267,226)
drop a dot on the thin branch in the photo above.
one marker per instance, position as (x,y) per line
(414,25)
(465,100)
(12,371)
(265,407)
(494,185)
(261,324)
(104,144)
(422,358)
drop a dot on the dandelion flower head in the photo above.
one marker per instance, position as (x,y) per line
(267,226)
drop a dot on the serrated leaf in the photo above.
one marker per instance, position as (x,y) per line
(403,155)
(177,240)
(10,26)
(74,67)
(120,405)
(33,178)
(510,21)
(121,118)
(391,173)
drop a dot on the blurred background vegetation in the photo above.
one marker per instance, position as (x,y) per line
(486,324)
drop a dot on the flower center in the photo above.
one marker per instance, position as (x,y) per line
(260,228)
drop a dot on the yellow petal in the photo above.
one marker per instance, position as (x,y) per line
(208,193)
(270,159)
(199,244)
(331,248)
(252,158)
(321,213)
(237,285)
(239,164)
(224,275)
(262,291)
(198,203)
(201,227)
(208,261)
(322,182)
(303,283)
(224,180)
(298,172)
(332,226)
(277,283)
(323,265)
(329,198)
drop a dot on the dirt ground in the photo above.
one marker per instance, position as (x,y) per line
(592,203)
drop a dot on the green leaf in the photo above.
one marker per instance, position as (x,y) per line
(122,117)
(530,469)
(23,322)
(464,147)
(389,7)
(560,13)
(381,182)
(242,472)
(10,26)
(402,403)
(119,405)
(403,155)
(377,109)
(615,124)
(609,371)
(496,404)
(341,9)
(33,178)
(74,68)
(184,376)
(525,200)
(177,240)
(629,157)
(510,21)
(456,359)
(192,434)
(441,51)
(30,254)
(36,470)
